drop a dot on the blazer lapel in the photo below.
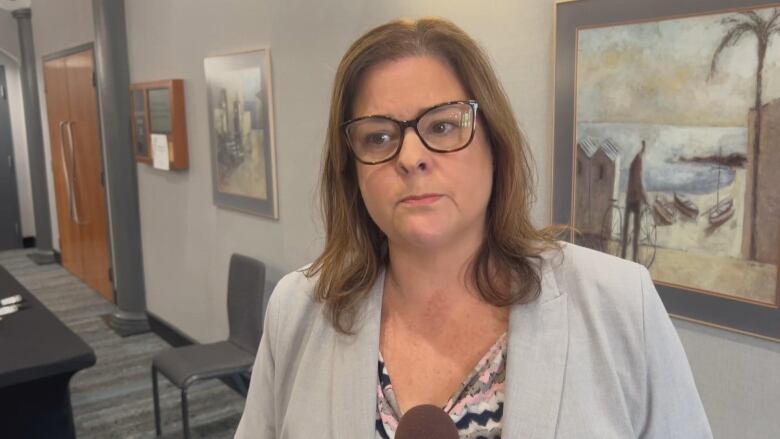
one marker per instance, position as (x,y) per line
(536,358)
(355,375)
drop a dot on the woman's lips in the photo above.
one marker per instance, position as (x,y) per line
(421,200)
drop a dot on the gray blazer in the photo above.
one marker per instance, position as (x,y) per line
(595,356)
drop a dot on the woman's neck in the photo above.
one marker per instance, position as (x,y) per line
(419,276)
(427,291)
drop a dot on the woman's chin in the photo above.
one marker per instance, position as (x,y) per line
(430,232)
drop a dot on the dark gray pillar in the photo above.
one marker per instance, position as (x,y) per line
(32,118)
(113,81)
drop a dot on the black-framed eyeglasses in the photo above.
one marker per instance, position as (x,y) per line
(443,128)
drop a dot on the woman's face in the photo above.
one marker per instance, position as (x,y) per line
(422,198)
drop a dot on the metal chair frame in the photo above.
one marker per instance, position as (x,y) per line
(240,337)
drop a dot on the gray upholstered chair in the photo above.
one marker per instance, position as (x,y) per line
(186,365)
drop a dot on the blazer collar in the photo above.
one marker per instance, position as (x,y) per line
(536,358)
(355,375)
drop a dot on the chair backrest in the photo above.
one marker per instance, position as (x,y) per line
(245,301)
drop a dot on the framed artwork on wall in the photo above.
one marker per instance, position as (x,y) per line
(667,146)
(240,108)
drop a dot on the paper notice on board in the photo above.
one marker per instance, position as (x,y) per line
(160,152)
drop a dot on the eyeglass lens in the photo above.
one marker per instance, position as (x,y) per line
(444,128)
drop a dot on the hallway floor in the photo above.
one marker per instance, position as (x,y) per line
(113,399)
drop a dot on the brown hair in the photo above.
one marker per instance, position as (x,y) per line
(355,248)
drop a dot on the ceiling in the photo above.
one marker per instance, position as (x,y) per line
(10,5)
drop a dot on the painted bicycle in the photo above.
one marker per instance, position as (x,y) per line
(613,242)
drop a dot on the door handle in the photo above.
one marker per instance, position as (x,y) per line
(66,171)
(76,216)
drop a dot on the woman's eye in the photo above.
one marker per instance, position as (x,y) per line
(377,139)
(442,127)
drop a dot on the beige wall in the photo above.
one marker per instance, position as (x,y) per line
(9,35)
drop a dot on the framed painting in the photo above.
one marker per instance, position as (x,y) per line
(240,109)
(667,148)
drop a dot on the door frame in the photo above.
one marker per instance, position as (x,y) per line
(61,54)
(12,169)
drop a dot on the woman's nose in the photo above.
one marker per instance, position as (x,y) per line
(413,156)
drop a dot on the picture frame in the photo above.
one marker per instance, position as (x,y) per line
(243,153)
(601,125)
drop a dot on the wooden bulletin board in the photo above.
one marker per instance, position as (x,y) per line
(157,114)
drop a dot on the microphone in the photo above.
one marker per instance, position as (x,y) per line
(426,422)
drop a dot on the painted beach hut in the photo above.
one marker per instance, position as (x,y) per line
(597,164)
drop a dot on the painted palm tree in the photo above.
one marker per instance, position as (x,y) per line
(739,25)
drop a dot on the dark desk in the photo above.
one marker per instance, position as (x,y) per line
(38,357)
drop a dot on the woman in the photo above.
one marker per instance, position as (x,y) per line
(434,287)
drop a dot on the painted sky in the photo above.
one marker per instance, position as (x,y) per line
(657,73)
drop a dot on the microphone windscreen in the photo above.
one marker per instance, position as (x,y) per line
(426,422)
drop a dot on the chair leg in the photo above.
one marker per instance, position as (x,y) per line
(185,421)
(238,380)
(156,395)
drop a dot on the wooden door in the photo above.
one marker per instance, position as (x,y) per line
(90,196)
(82,209)
(56,89)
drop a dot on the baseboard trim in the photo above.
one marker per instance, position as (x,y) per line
(168,332)
(42,258)
(174,337)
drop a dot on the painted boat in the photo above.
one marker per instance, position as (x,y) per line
(685,206)
(721,212)
(664,211)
